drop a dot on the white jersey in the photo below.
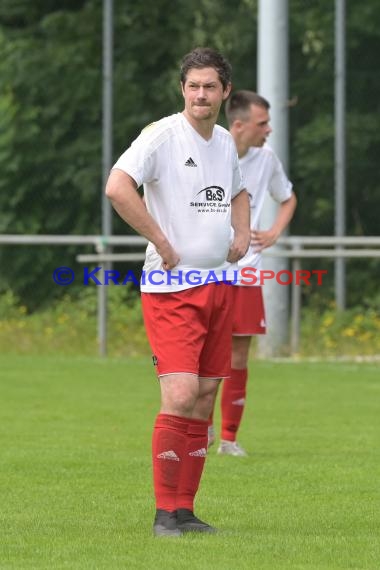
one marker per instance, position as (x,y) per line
(188,187)
(262,172)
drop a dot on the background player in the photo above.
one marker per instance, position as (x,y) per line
(248,119)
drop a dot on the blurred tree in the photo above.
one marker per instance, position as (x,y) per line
(50,110)
(50,147)
(312,126)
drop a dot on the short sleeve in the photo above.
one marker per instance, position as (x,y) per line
(237,178)
(139,159)
(280,188)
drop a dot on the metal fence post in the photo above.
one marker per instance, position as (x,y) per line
(296,303)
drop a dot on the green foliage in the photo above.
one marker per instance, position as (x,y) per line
(314,162)
(51,111)
(331,333)
(312,118)
(50,138)
(69,326)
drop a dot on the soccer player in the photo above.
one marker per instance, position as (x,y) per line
(193,193)
(248,119)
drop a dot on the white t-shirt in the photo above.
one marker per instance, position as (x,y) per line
(188,186)
(262,172)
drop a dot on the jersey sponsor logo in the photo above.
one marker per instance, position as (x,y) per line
(211,200)
(190,162)
(212,193)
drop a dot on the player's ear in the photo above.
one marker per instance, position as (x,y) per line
(238,124)
(227,91)
(182,88)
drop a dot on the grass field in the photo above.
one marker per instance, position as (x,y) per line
(75,479)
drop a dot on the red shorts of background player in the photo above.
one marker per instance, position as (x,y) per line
(248,311)
(190,331)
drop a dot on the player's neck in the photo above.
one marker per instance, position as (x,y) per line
(241,148)
(204,128)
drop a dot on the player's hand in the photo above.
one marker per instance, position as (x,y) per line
(170,257)
(262,239)
(239,247)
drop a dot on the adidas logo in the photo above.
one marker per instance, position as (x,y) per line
(168,455)
(190,162)
(239,402)
(199,453)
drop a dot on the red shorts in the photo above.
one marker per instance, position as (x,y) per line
(248,311)
(190,331)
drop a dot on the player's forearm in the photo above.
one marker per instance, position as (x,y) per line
(240,213)
(284,216)
(240,221)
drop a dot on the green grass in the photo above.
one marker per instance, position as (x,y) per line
(75,479)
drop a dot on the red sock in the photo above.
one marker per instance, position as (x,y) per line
(193,463)
(232,402)
(168,452)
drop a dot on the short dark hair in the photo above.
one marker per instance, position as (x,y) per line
(239,103)
(201,57)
